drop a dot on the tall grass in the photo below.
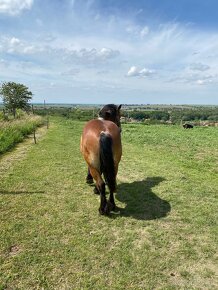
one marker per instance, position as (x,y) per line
(12,132)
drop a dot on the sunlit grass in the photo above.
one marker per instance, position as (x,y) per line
(164,235)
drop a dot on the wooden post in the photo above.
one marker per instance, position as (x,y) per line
(32,109)
(14,113)
(47,122)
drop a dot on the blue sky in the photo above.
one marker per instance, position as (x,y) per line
(114,51)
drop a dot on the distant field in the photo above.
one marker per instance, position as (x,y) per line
(149,114)
(163,237)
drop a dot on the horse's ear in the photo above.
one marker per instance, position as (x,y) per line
(119,107)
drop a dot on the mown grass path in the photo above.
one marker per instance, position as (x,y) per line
(164,237)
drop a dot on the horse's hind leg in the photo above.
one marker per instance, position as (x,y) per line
(96,191)
(89,178)
(111,202)
(103,209)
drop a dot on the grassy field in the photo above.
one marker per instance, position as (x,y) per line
(164,235)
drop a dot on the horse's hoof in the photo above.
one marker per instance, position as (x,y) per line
(112,206)
(95,190)
(107,209)
(104,211)
(101,211)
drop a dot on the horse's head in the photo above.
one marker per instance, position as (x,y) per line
(112,113)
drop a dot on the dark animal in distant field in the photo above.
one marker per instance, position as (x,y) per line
(101,148)
(187,126)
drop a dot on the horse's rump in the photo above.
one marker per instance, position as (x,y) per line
(90,141)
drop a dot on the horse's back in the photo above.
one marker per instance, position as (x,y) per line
(99,125)
(94,128)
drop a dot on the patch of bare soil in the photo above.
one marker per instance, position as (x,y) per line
(14,250)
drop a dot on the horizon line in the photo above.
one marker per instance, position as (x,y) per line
(125,104)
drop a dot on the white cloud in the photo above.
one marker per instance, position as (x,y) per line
(133,71)
(199,66)
(107,53)
(206,80)
(144,31)
(200,82)
(14,41)
(14,7)
(146,72)
(79,56)
(136,72)
(91,56)
(14,45)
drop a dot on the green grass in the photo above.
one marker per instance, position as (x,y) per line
(14,131)
(163,237)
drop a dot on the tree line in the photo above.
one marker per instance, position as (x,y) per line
(17,96)
(173,116)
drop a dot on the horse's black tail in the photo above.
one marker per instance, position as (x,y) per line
(107,160)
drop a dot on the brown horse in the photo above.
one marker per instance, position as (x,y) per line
(102,150)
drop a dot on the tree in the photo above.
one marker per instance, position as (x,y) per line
(15,96)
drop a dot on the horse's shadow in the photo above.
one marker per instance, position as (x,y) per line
(141,202)
(20,192)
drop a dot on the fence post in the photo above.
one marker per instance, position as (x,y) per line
(47,122)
